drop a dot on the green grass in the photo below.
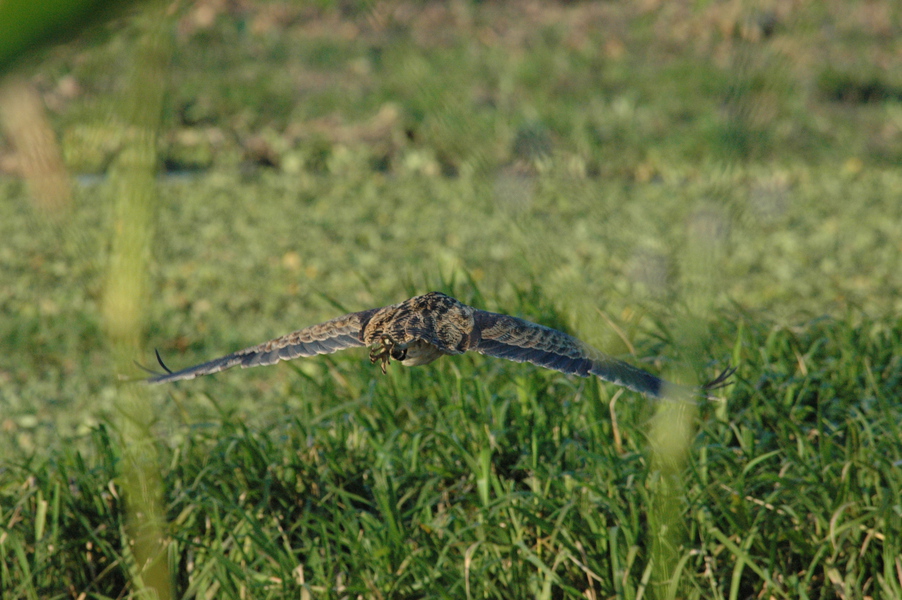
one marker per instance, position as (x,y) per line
(492,480)
(671,192)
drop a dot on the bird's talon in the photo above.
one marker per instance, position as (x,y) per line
(384,352)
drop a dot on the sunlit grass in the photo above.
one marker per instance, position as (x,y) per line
(472,478)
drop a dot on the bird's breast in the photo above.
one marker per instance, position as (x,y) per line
(420,353)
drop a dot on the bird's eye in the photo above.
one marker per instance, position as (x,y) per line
(399,353)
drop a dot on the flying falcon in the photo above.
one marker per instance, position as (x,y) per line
(422,329)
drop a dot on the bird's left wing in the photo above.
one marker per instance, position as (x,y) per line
(503,336)
(325,338)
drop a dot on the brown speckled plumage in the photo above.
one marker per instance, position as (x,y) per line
(422,329)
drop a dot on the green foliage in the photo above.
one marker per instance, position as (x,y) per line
(25,27)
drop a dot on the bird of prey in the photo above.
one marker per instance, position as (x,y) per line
(424,328)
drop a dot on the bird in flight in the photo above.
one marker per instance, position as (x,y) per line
(424,328)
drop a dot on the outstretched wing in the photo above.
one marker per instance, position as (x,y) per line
(508,337)
(325,338)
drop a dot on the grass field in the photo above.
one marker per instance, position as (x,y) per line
(685,188)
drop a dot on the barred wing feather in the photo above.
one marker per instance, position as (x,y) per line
(503,336)
(325,338)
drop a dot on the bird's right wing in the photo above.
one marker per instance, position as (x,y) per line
(503,336)
(325,338)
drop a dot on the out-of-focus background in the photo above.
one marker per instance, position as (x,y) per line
(684,185)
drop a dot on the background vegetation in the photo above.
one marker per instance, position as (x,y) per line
(684,185)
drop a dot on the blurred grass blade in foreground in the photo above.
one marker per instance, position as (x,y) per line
(133,186)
